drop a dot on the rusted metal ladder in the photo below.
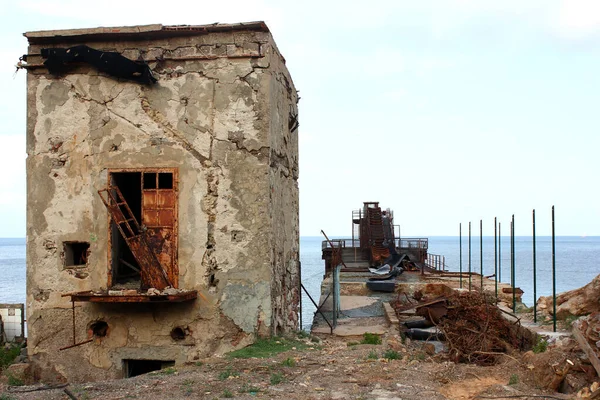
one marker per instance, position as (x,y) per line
(152,273)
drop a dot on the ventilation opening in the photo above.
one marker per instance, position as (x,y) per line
(99,328)
(76,253)
(125,269)
(139,367)
(178,333)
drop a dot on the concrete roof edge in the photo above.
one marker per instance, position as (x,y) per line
(158,29)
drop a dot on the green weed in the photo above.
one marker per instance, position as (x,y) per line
(350,344)
(514,379)
(392,355)
(372,355)
(227,373)
(227,394)
(6,396)
(167,371)
(276,378)
(303,334)
(540,346)
(246,388)
(371,338)
(289,362)
(570,319)
(7,355)
(263,348)
(13,381)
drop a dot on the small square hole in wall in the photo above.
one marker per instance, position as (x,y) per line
(76,253)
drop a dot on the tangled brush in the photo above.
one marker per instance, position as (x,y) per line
(475,330)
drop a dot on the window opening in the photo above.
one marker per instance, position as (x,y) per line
(139,367)
(151,197)
(165,180)
(149,180)
(76,253)
(125,269)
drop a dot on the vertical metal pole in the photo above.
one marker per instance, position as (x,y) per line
(460,252)
(481,252)
(469,256)
(353,237)
(500,251)
(513,267)
(300,292)
(534,274)
(553,273)
(496,257)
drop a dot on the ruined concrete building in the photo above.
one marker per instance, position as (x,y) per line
(162,215)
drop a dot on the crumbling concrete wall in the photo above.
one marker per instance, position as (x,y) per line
(220,113)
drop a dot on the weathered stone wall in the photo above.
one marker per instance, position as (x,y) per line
(283,175)
(219,113)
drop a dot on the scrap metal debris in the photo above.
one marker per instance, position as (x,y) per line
(112,63)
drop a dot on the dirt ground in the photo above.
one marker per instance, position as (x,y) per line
(327,369)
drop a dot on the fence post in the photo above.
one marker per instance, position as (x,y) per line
(534,274)
(496,257)
(553,273)
(469,256)
(481,252)
(460,252)
(512,264)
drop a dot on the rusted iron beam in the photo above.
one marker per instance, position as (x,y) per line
(138,298)
(333,249)
(76,344)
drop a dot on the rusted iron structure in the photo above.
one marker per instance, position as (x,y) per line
(376,237)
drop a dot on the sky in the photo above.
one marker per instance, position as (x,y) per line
(444,111)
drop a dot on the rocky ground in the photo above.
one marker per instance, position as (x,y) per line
(333,369)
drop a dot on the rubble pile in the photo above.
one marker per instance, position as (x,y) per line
(590,327)
(475,330)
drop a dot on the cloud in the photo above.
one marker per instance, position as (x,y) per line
(133,12)
(577,19)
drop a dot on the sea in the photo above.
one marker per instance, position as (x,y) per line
(576,264)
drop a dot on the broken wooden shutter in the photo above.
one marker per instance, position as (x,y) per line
(159,216)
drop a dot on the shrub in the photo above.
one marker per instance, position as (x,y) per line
(540,346)
(371,338)
(276,378)
(392,355)
(289,362)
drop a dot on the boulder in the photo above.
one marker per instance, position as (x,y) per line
(582,301)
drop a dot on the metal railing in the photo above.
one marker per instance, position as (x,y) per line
(412,243)
(437,262)
(404,243)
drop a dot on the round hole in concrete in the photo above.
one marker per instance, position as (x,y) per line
(99,328)
(178,333)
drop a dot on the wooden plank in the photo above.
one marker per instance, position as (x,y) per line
(585,346)
(138,298)
(153,275)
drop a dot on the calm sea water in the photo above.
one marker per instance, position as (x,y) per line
(12,270)
(577,263)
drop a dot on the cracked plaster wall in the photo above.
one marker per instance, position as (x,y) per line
(223,122)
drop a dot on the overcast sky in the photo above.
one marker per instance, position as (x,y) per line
(444,111)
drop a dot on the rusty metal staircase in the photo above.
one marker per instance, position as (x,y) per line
(152,274)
